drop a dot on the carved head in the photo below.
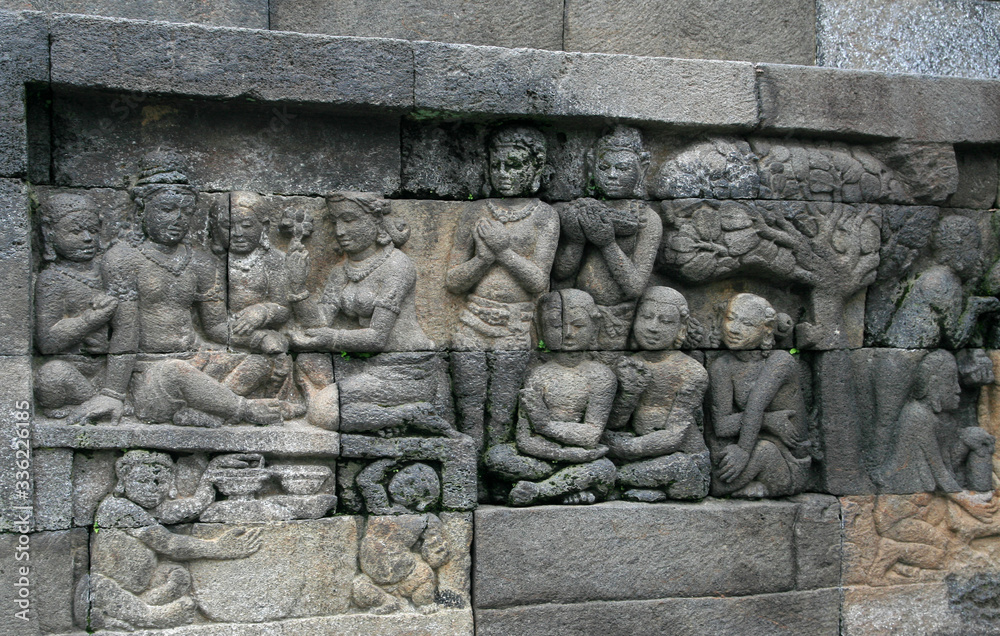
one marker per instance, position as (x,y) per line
(145,477)
(569,320)
(937,381)
(956,245)
(246,228)
(434,548)
(617,163)
(416,487)
(517,160)
(164,201)
(661,320)
(360,221)
(749,323)
(70,227)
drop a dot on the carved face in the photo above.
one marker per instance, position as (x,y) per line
(415,487)
(513,172)
(148,484)
(617,173)
(943,386)
(579,329)
(355,230)
(745,325)
(657,326)
(74,236)
(435,548)
(167,216)
(245,232)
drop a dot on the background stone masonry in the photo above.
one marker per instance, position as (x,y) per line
(822,190)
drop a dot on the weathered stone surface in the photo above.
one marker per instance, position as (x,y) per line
(16,489)
(222,62)
(53,472)
(536,25)
(56,562)
(929,171)
(930,37)
(100,138)
(814,612)
(24,57)
(907,609)
(470,79)
(448,622)
(706,29)
(15,269)
(602,552)
(817,542)
(978,178)
(830,101)
(251,14)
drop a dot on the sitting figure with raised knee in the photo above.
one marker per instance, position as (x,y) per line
(654,436)
(564,409)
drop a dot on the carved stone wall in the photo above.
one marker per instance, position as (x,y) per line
(419,339)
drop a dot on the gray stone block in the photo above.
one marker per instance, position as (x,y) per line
(817,542)
(562,554)
(932,37)
(250,14)
(24,57)
(816,613)
(523,23)
(708,29)
(15,269)
(239,145)
(15,445)
(53,472)
(470,79)
(977,179)
(905,609)
(798,99)
(223,62)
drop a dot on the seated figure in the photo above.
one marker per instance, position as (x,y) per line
(758,415)
(564,409)
(130,586)
(653,434)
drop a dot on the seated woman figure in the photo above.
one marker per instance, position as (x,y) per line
(369,305)
(564,409)
(653,435)
(757,411)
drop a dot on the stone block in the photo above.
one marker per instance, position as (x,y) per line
(525,23)
(929,37)
(705,29)
(53,472)
(817,542)
(16,472)
(57,560)
(562,554)
(237,145)
(222,62)
(978,178)
(250,14)
(24,57)
(814,612)
(487,80)
(907,609)
(830,101)
(15,269)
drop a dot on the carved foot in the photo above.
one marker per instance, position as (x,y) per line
(753,490)
(191,417)
(261,412)
(389,607)
(524,493)
(584,497)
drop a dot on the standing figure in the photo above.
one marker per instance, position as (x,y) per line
(653,434)
(159,280)
(500,260)
(369,305)
(72,311)
(565,405)
(608,247)
(758,414)
(131,587)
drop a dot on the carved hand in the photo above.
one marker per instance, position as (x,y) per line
(976,438)
(579,455)
(982,506)
(985,304)
(782,424)
(632,375)
(99,407)
(249,319)
(569,221)
(734,461)
(274,343)
(493,234)
(482,250)
(238,543)
(598,228)
(102,308)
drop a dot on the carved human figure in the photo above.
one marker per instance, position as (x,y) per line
(653,433)
(758,415)
(72,311)
(158,280)
(934,311)
(130,586)
(608,247)
(368,305)
(258,303)
(398,558)
(564,409)
(500,261)
(918,463)
(412,488)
